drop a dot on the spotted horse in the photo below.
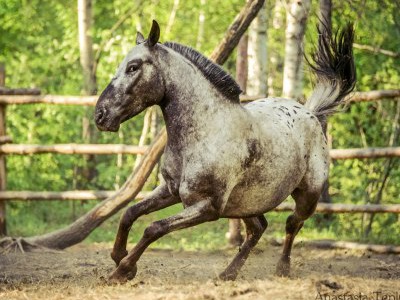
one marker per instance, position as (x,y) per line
(224,159)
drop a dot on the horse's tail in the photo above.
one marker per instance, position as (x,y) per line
(333,64)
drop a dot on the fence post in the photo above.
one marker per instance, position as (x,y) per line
(3,228)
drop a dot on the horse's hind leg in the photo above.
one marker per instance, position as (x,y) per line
(158,199)
(255,227)
(306,202)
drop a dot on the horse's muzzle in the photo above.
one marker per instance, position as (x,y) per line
(103,122)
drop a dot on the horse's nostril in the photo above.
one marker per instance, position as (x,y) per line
(100,114)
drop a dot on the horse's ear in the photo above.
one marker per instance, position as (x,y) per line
(139,38)
(154,34)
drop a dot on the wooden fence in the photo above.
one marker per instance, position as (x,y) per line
(7,148)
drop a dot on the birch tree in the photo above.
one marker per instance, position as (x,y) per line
(275,55)
(325,13)
(202,18)
(257,80)
(296,18)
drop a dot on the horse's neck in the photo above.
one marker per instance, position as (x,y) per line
(192,105)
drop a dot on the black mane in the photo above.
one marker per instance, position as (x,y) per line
(222,81)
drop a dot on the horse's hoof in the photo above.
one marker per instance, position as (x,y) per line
(118,256)
(118,277)
(283,269)
(227,276)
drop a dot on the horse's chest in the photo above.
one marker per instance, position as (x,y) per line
(172,177)
(193,176)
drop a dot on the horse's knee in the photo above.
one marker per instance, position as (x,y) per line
(306,202)
(155,230)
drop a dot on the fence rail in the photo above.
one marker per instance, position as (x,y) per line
(63,195)
(101,195)
(100,149)
(91,100)
(362,153)
(25,149)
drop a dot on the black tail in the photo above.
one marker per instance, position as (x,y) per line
(333,64)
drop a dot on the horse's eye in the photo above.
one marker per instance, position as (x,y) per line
(132,68)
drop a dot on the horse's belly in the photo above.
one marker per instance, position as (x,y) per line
(253,201)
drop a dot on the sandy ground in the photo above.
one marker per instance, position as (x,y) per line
(79,273)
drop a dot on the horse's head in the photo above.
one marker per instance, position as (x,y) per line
(137,84)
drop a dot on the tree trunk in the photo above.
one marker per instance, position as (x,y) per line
(88,171)
(3,227)
(202,20)
(236,30)
(296,19)
(143,136)
(388,168)
(257,81)
(275,53)
(86,46)
(325,15)
(81,228)
(171,19)
(241,63)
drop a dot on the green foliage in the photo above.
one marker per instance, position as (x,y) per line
(39,46)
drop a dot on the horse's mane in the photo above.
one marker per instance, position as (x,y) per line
(222,81)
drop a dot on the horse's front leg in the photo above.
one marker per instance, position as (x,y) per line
(158,199)
(198,213)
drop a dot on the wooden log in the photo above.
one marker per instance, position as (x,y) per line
(82,227)
(100,195)
(5,139)
(328,208)
(63,195)
(361,153)
(19,91)
(372,95)
(376,50)
(236,30)
(91,100)
(99,149)
(249,98)
(332,244)
(50,99)
(72,100)
(24,149)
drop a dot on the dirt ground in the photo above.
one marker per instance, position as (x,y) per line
(79,272)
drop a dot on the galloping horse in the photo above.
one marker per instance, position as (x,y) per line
(224,159)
